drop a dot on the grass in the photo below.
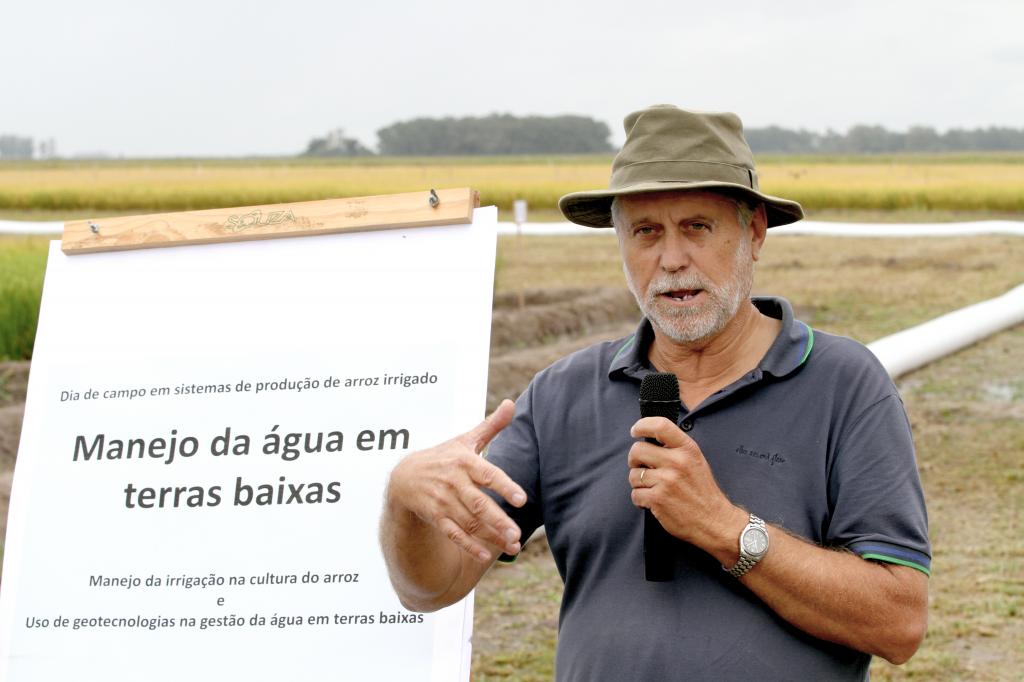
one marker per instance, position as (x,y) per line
(981,183)
(518,610)
(967,412)
(22,264)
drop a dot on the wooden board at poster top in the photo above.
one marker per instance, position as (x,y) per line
(352,214)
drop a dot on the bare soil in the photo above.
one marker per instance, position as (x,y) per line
(551,324)
(13,384)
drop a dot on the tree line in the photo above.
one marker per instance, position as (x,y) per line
(468,136)
(506,134)
(21,147)
(16,147)
(500,134)
(864,139)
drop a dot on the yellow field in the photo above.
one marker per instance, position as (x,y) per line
(971,183)
(889,186)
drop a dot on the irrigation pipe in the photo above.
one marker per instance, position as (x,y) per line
(982,227)
(915,347)
(811,227)
(1009,227)
(806,227)
(27,227)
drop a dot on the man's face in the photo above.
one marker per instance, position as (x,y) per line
(687,260)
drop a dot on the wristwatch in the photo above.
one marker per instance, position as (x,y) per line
(753,547)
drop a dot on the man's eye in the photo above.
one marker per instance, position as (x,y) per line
(644,229)
(700,226)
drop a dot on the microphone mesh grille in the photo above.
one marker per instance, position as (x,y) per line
(659,396)
(659,386)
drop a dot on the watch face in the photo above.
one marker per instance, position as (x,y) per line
(755,541)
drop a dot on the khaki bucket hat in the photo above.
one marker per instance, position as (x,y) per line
(669,148)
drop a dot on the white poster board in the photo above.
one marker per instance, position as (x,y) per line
(335,355)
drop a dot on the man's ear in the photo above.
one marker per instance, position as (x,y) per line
(758,230)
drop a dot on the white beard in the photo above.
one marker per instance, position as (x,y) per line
(703,322)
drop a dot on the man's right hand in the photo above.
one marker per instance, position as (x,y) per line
(442,487)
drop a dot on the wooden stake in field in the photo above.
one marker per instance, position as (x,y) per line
(519,211)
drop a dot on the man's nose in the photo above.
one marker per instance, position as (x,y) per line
(676,252)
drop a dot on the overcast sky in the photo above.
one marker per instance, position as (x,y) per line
(214,77)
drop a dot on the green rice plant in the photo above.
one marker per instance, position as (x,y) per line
(22,265)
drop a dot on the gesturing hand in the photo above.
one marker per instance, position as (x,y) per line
(441,486)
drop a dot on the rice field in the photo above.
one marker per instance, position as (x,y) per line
(976,183)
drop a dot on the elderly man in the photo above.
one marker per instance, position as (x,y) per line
(791,465)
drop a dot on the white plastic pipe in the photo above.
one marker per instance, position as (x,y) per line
(811,227)
(27,227)
(981,227)
(915,347)
(808,227)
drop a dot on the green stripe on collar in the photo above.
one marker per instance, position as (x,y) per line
(625,347)
(810,342)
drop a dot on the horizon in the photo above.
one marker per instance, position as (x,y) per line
(218,79)
(102,155)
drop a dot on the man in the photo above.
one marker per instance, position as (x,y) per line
(791,465)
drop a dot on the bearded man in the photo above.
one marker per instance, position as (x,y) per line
(791,465)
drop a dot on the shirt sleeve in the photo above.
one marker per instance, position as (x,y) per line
(515,452)
(878,508)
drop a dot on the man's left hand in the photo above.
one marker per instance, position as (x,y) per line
(677,485)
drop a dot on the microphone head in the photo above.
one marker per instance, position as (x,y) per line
(659,396)
(660,386)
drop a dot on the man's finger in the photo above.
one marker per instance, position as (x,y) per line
(642,477)
(485,474)
(482,434)
(484,520)
(643,454)
(463,540)
(662,430)
(641,497)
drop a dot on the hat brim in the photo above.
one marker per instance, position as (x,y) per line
(594,208)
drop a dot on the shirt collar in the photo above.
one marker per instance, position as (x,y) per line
(791,348)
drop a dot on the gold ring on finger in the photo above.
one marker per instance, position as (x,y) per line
(642,472)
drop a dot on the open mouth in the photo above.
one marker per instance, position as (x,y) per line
(682,295)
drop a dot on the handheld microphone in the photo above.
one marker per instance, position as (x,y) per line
(659,397)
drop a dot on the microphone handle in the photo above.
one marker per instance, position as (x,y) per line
(658,546)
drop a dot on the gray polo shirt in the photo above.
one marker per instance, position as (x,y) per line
(815,440)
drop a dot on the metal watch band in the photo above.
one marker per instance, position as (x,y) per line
(746,562)
(741,567)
